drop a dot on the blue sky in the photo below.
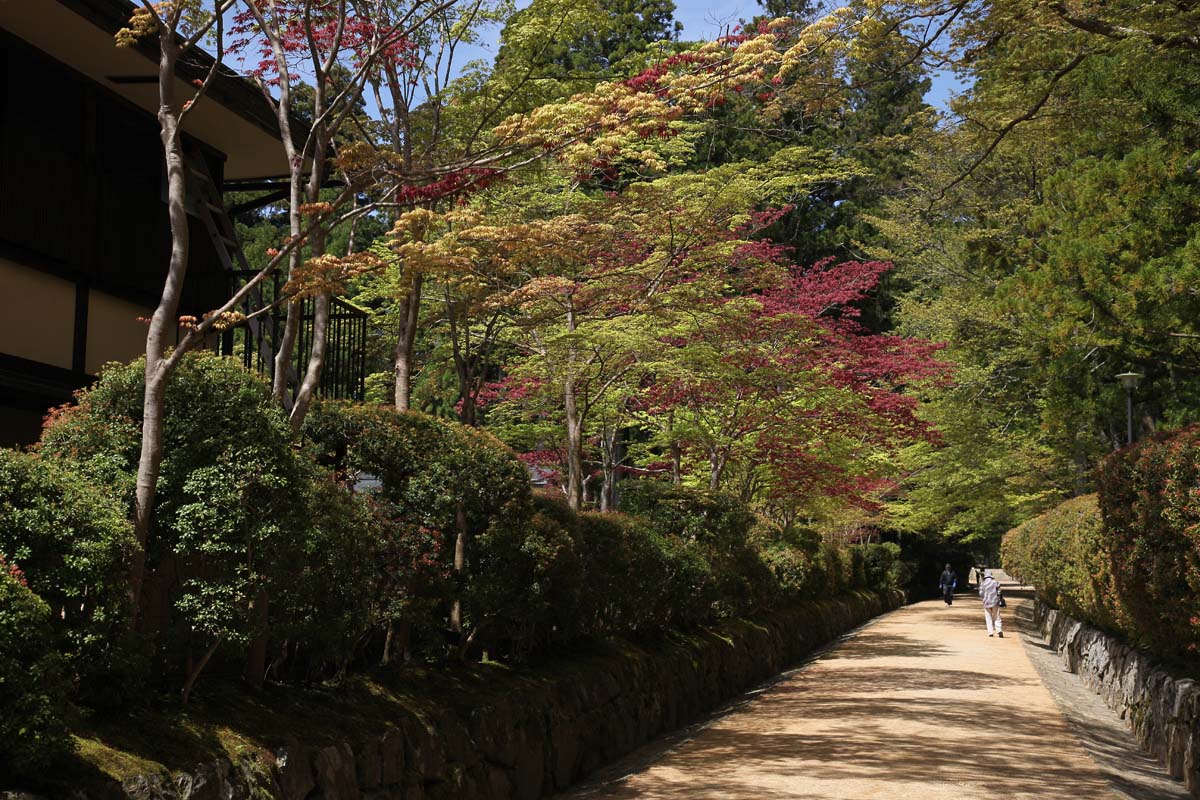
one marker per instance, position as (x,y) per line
(705,20)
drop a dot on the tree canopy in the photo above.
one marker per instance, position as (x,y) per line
(764,264)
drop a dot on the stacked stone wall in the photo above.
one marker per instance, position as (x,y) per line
(532,743)
(1161,707)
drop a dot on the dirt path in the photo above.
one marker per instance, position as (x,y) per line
(918,704)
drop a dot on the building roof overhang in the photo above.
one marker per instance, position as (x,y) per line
(233,118)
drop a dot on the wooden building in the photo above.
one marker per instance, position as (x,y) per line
(84,236)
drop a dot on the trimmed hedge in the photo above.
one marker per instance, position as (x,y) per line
(1128,558)
(1062,553)
(425,466)
(1150,500)
(539,576)
(299,560)
(713,528)
(426,480)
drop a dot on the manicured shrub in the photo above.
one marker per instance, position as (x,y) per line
(430,482)
(717,527)
(833,571)
(1063,554)
(527,581)
(881,565)
(73,543)
(1150,502)
(791,557)
(232,515)
(626,574)
(857,570)
(640,582)
(338,584)
(32,700)
(425,466)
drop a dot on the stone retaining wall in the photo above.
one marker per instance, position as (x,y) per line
(531,743)
(1162,709)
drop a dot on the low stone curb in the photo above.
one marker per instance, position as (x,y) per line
(1162,709)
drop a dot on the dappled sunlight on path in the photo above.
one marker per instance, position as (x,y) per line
(918,704)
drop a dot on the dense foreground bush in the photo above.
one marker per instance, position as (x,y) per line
(375,536)
(73,544)
(32,700)
(436,490)
(1128,558)
(247,530)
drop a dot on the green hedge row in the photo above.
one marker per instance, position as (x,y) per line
(1126,559)
(1061,552)
(1150,500)
(375,536)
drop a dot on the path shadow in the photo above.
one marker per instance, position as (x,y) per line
(942,729)
(887,646)
(1015,752)
(966,619)
(1102,734)
(894,717)
(873,682)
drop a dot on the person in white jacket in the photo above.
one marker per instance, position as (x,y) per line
(989,590)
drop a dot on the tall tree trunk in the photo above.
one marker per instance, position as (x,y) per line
(611,456)
(256,659)
(164,321)
(467,416)
(607,491)
(410,311)
(316,361)
(717,458)
(317,243)
(575,485)
(395,643)
(283,357)
(574,447)
(291,325)
(464,364)
(460,566)
(675,449)
(295,309)
(149,462)
(388,638)
(194,672)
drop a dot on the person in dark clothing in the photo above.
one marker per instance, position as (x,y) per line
(948,584)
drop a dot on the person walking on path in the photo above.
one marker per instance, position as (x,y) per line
(989,590)
(948,584)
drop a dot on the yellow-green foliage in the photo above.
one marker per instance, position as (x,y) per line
(1062,553)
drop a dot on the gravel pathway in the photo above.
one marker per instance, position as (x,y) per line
(918,704)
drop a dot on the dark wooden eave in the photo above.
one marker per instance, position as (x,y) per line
(228,88)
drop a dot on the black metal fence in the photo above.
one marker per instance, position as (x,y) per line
(345,371)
